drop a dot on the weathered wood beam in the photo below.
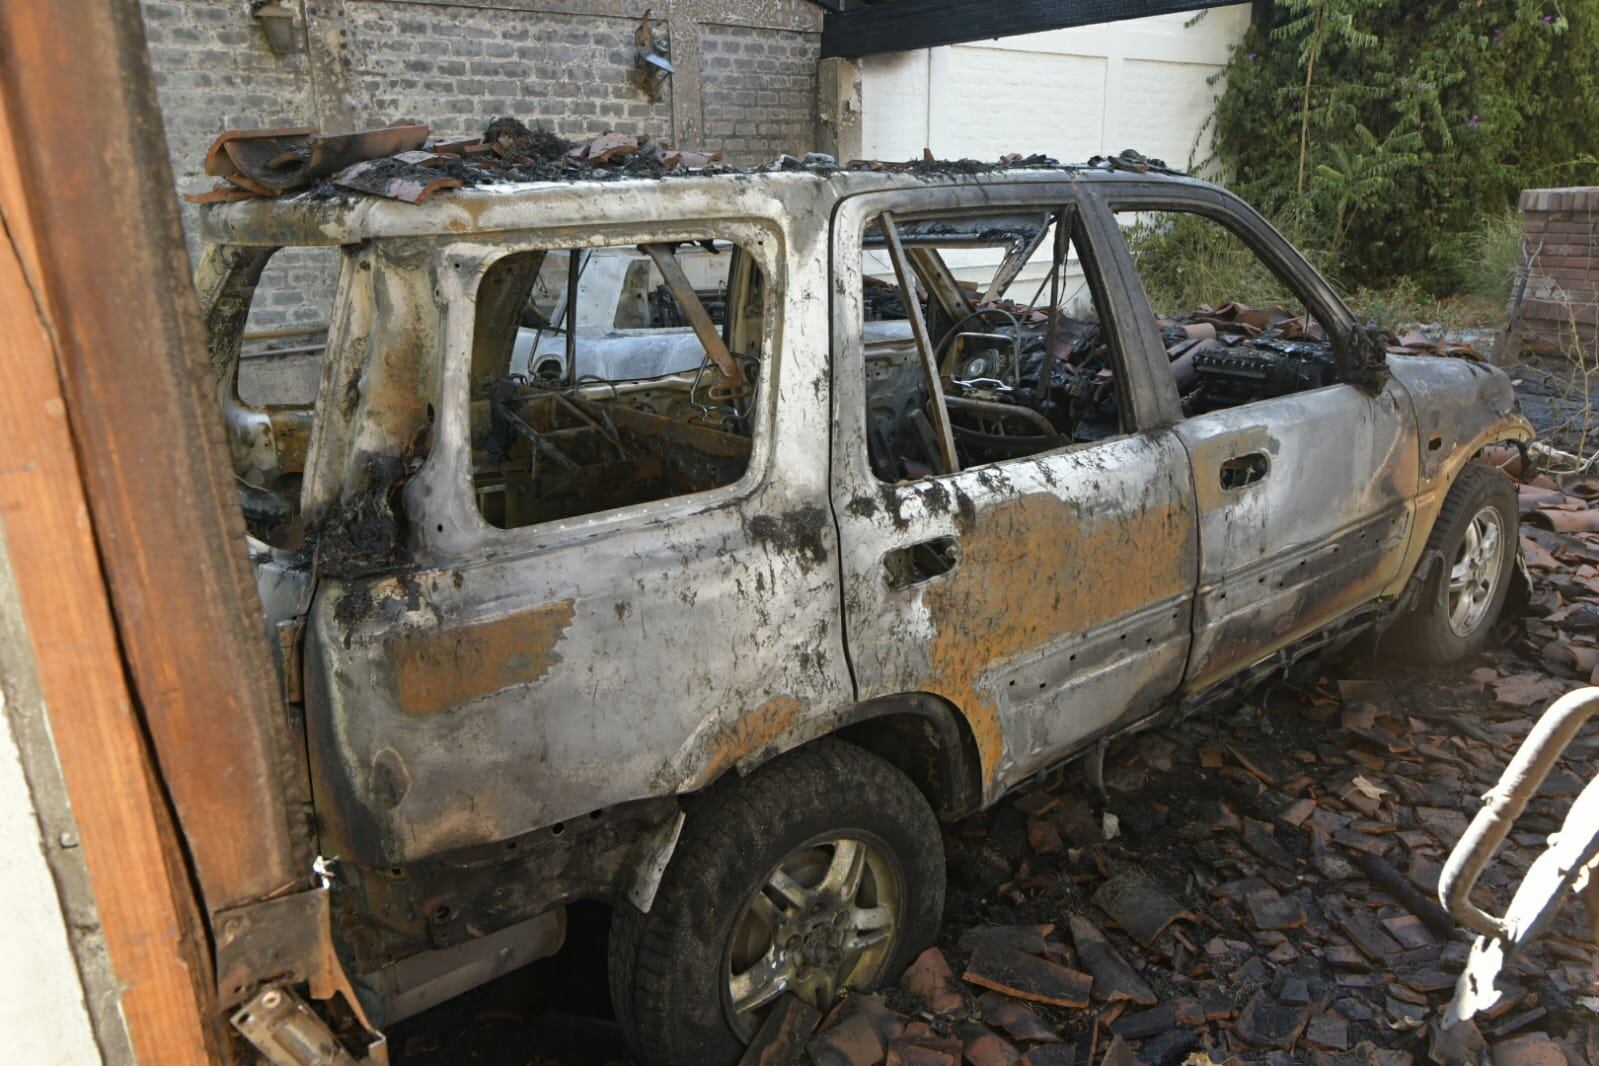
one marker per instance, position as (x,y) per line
(149,920)
(111,281)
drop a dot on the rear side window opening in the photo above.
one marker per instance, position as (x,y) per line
(606,377)
(286,333)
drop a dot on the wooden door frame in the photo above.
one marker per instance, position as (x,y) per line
(123,529)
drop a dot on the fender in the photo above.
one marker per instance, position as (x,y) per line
(1461,407)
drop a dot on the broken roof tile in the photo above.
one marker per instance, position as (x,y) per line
(1113,978)
(1139,906)
(1027,977)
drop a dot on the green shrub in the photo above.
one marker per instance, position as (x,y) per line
(1492,256)
(1186,261)
(1388,128)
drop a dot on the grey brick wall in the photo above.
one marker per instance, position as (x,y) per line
(214,71)
(748,88)
(760,91)
(296,289)
(457,68)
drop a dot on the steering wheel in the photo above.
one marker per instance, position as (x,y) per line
(944,349)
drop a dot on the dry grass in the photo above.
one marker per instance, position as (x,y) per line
(1404,305)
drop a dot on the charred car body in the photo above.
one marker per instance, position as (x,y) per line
(718,645)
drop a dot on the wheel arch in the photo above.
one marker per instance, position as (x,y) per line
(923,735)
(1429,501)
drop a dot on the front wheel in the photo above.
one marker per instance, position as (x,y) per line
(1477,534)
(821,871)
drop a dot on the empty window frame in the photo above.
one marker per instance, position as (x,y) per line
(1234,331)
(983,340)
(286,333)
(576,409)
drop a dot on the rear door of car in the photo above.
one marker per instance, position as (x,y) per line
(1046,597)
(1305,500)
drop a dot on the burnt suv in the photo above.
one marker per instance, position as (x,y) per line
(938,501)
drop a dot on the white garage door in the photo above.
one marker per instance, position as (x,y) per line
(1069,94)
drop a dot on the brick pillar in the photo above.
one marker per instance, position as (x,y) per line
(1559,300)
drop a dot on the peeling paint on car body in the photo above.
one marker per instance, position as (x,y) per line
(440,669)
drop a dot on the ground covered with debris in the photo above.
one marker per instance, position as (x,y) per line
(1262,887)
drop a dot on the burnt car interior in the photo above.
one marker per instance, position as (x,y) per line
(548,447)
(984,352)
(1225,353)
(1014,380)
(642,299)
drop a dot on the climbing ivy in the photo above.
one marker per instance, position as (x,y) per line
(1385,130)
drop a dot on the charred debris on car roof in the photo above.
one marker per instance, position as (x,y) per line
(404,162)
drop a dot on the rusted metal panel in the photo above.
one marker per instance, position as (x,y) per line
(440,670)
(507,679)
(1461,407)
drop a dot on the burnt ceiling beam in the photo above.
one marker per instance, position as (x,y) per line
(903,25)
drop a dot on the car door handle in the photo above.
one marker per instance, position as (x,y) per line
(1243,470)
(915,563)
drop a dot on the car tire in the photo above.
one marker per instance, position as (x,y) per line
(673,969)
(1463,597)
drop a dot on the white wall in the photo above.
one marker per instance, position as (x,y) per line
(42,1011)
(1070,94)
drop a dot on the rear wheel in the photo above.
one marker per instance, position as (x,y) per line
(821,871)
(1477,535)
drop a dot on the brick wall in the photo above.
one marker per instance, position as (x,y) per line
(759,91)
(1560,306)
(745,82)
(459,67)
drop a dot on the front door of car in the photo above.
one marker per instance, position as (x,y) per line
(1302,517)
(1045,595)
(1305,499)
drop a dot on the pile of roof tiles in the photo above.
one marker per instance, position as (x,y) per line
(1260,889)
(403,162)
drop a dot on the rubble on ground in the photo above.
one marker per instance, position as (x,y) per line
(1269,892)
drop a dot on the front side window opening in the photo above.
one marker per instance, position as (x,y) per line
(608,377)
(984,343)
(1235,333)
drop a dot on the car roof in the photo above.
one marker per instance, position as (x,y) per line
(318,218)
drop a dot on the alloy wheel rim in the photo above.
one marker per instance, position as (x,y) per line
(1474,577)
(823,919)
